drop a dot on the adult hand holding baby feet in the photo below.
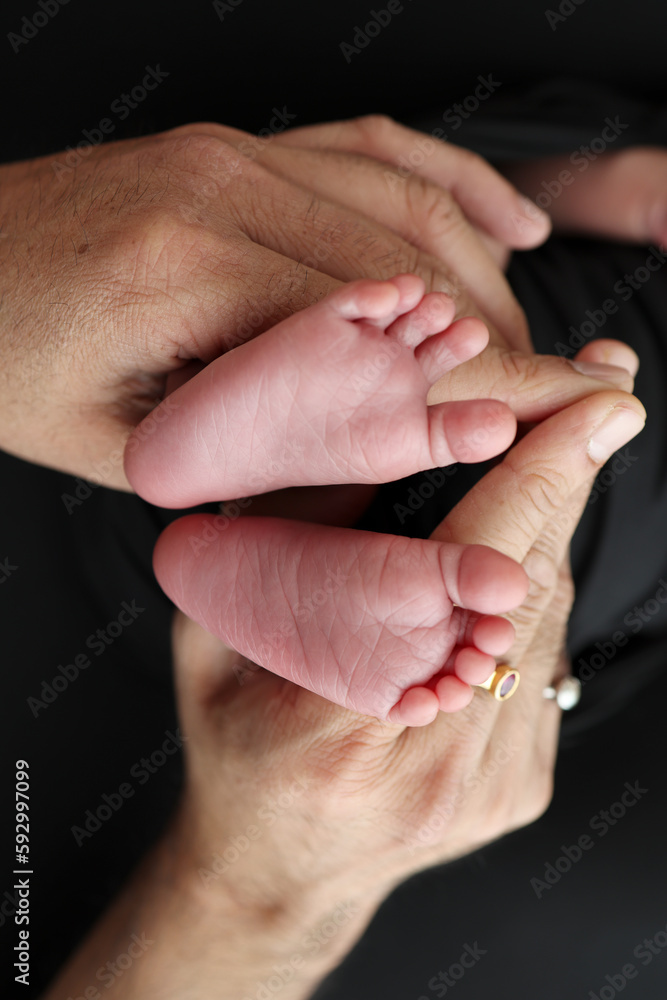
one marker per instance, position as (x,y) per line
(374,802)
(336,393)
(374,622)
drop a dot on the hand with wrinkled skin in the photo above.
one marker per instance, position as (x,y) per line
(366,803)
(156,252)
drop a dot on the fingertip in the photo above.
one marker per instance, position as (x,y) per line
(609,352)
(529,225)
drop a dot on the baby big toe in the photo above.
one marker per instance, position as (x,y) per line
(418,707)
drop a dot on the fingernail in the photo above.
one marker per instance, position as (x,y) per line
(606,373)
(619,427)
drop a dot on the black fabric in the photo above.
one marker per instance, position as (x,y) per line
(563,939)
(77,562)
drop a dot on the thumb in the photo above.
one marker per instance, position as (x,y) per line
(513,504)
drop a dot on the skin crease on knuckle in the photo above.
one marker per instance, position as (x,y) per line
(376,128)
(432,208)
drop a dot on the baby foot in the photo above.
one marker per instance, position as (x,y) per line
(372,622)
(334,394)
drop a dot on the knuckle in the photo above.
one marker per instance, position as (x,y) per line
(531,612)
(471,160)
(517,368)
(198,151)
(541,565)
(434,277)
(431,206)
(375,126)
(544,489)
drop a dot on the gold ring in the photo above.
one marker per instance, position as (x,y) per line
(502,683)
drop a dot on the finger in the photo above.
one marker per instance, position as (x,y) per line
(610,352)
(534,386)
(542,659)
(487,198)
(422,213)
(544,565)
(286,250)
(324,237)
(510,507)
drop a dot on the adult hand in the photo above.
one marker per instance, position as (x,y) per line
(503,219)
(370,813)
(151,253)
(298,817)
